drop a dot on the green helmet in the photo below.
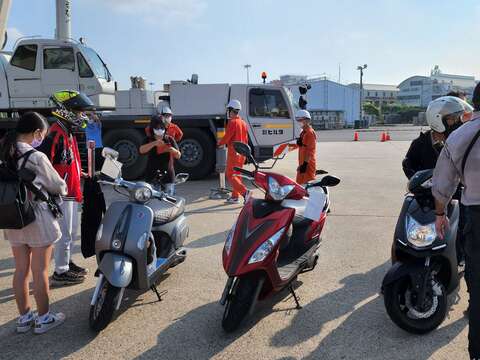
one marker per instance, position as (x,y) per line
(68,103)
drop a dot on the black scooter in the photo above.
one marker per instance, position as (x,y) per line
(425,268)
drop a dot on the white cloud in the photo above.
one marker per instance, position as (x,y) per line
(161,11)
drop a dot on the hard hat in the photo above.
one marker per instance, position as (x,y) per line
(166,111)
(235,105)
(442,107)
(303,114)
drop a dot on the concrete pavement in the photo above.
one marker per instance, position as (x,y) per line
(343,315)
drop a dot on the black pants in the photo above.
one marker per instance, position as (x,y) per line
(460,235)
(472,276)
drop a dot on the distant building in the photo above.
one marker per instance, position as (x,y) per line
(420,90)
(292,79)
(379,94)
(332,105)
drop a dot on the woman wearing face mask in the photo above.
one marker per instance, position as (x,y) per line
(307,148)
(32,246)
(162,151)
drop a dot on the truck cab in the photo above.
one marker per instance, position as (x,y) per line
(39,67)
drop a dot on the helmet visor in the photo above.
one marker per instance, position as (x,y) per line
(81,102)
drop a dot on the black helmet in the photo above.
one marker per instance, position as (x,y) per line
(67,102)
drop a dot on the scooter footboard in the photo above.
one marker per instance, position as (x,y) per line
(117,268)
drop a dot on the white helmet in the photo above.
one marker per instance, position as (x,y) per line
(302,114)
(166,111)
(440,108)
(235,105)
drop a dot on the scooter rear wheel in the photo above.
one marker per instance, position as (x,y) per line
(397,306)
(102,312)
(239,302)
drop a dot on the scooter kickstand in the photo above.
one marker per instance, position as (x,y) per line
(292,291)
(159,296)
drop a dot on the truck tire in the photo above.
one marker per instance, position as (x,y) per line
(127,142)
(198,154)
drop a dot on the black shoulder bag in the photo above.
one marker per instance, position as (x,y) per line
(15,206)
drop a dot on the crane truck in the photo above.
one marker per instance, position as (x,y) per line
(38,67)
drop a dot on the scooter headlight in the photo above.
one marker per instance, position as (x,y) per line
(266,248)
(143,194)
(228,241)
(419,235)
(277,192)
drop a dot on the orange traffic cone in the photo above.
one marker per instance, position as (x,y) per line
(388,138)
(355,136)
(383,138)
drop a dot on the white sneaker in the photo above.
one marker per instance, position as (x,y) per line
(232,200)
(52,321)
(26,322)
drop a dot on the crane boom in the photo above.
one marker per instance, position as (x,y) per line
(4,11)
(63,30)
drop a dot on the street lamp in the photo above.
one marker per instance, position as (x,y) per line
(248,66)
(361,68)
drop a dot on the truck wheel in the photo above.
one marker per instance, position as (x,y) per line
(198,154)
(127,142)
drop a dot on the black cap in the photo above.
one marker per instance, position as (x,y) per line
(156,122)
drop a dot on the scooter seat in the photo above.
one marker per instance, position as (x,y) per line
(165,212)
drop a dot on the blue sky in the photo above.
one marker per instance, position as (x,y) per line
(165,40)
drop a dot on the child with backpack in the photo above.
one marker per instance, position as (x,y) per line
(33,235)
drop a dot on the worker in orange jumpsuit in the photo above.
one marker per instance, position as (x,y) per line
(236,131)
(307,148)
(171,129)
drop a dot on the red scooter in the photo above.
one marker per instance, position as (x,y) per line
(272,241)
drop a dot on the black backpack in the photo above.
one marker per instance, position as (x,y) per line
(15,205)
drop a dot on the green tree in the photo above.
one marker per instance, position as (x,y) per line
(371,109)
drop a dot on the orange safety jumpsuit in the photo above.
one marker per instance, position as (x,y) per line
(307,148)
(236,131)
(175,132)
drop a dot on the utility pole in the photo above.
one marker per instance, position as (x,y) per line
(361,68)
(247,67)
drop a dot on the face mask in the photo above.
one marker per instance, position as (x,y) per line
(90,121)
(452,128)
(159,132)
(36,143)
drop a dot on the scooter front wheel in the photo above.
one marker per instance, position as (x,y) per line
(101,313)
(240,301)
(401,306)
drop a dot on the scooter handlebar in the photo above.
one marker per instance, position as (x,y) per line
(243,171)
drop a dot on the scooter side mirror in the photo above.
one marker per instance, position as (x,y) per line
(242,149)
(181,178)
(329,181)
